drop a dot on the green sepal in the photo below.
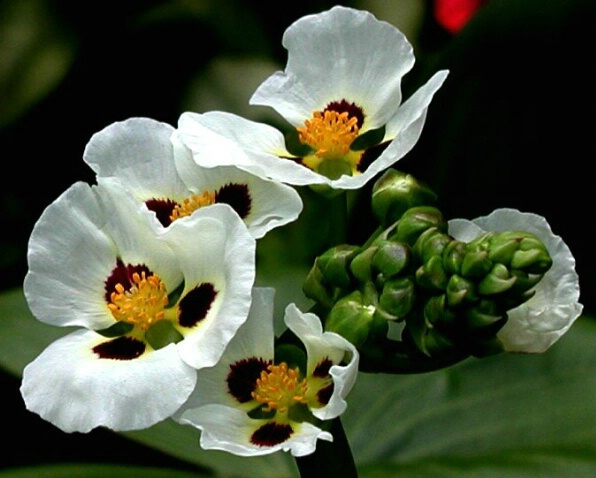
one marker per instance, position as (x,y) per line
(497,281)
(369,139)
(292,355)
(116,330)
(533,260)
(162,333)
(334,168)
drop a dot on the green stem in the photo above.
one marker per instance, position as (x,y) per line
(330,459)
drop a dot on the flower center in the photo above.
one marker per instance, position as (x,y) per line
(280,387)
(329,133)
(191,204)
(142,304)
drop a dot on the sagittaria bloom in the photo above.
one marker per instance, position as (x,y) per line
(341,93)
(145,157)
(151,306)
(260,399)
(538,323)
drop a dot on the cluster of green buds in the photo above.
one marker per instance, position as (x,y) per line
(449,298)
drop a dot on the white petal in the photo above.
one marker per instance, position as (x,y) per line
(339,54)
(229,429)
(254,339)
(138,153)
(70,256)
(136,232)
(71,387)
(325,345)
(537,324)
(272,204)
(214,246)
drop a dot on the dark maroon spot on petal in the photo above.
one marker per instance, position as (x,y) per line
(322,369)
(163,209)
(324,395)
(370,155)
(271,434)
(122,274)
(352,110)
(243,376)
(195,305)
(122,348)
(237,196)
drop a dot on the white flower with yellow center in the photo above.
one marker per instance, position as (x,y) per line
(144,157)
(151,306)
(340,91)
(538,323)
(260,399)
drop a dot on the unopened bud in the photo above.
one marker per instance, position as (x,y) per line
(391,258)
(397,297)
(415,221)
(396,192)
(497,281)
(351,318)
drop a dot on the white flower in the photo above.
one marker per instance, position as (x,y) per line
(340,91)
(258,400)
(145,157)
(538,323)
(150,306)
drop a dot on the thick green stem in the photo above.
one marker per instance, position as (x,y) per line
(330,459)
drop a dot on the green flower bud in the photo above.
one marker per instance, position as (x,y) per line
(415,221)
(485,314)
(476,264)
(437,313)
(432,275)
(361,264)
(398,297)
(453,256)
(351,318)
(431,243)
(396,192)
(314,287)
(426,337)
(497,281)
(391,258)
(334,265)
(459,290)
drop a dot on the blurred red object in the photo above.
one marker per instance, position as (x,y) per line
(453,15)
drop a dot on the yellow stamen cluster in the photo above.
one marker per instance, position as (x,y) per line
(330,133)
(191,204)
(280,387)
(143,304)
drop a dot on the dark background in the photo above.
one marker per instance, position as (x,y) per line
(513,126)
